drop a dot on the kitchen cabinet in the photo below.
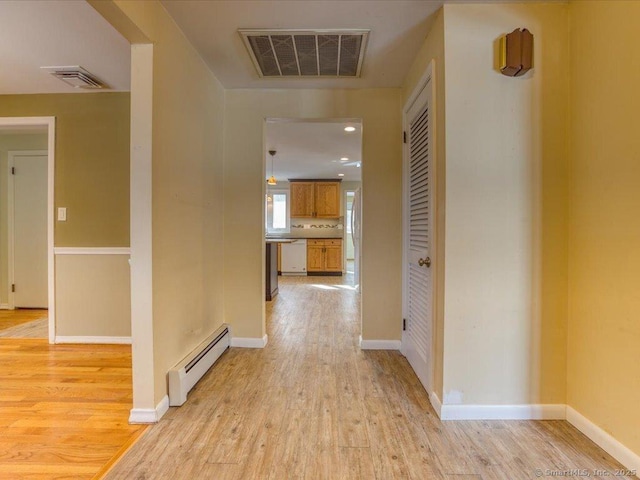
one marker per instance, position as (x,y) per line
(327,199)
(324,256)
(302,199)
(315,199)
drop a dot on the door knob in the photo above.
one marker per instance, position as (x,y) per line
(426,261)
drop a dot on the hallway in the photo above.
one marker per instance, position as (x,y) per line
(313,405)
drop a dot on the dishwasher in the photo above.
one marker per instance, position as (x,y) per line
(294,258)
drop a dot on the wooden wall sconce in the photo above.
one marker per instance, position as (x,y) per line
(516,53)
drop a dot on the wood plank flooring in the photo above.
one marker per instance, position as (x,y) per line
(312,405)
(11,318)
(32,329)
(63,409)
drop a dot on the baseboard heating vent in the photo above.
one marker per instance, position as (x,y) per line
(186,374)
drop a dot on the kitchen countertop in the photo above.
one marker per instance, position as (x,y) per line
(292,239)
(280,240)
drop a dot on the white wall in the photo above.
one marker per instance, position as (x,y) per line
(506,209)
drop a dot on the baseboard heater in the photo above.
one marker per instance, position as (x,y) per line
(186,374)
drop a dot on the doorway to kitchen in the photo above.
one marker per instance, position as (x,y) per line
(313,176)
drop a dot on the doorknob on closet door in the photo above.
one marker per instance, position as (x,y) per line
(424,261)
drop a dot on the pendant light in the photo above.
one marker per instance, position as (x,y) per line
(272,179)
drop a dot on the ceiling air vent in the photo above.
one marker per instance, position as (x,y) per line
(306,53)
(75,76)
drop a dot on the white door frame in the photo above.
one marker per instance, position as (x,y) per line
(50,124)
(344,253)
(426,81)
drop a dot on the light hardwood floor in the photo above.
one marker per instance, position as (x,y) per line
(63,409)
(32,329)
(312,405)
(12,318)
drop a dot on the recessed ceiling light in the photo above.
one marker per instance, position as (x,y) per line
(349,129)
(341,174)
(344,159)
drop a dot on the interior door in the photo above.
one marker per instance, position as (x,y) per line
(418,283)
(30,230)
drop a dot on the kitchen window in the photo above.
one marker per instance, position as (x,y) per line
(277,211)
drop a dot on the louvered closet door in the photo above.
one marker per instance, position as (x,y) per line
(417,339)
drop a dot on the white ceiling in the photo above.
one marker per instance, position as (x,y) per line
(398,28)
(39,33)
(313,150)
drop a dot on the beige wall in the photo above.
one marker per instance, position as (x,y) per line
(93,296)
(186,117)
(9,142)
(92,163)
(506,209)
(92,182)
(244,190)
(604,259)
(432,50)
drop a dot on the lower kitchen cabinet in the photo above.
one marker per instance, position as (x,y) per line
(324,256)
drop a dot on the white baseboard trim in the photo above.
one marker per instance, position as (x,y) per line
(436,403)
(103,340)
(249,342)
(613,447)
(503,412)
(380,344)
(92,251)
(150,415)
(4,306)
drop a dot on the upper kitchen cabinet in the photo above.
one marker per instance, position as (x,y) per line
(302,194)
(315,199)
(327,199)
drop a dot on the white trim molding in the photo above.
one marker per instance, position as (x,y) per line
(436,403)
(4,306)
(503,412)
(97,339)
(379,344)
(609,444)
(249,342)
(92,251)
(150,415)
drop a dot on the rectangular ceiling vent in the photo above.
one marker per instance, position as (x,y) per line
(306,53)
(76,76)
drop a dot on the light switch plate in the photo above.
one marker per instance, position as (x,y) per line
(62,214)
